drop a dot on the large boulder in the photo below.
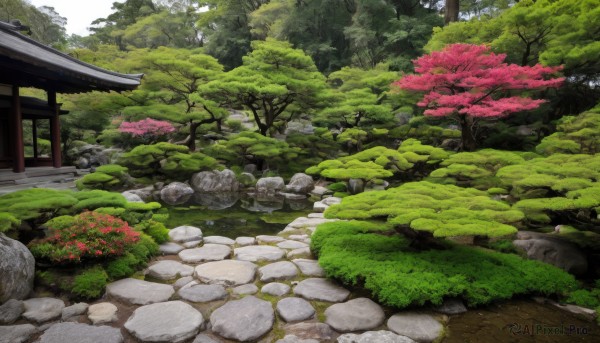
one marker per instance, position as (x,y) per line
(300,183)
(176,193)
(215,181)
(270,185)
(552,250)
(17,269)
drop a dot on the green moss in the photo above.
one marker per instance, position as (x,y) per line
(36,203)
(123,266)
(585,298)
(90,283)
(90,200)
(357,253)
(338,187)
(8,221)
(154,229)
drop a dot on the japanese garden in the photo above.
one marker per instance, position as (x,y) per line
(300,171)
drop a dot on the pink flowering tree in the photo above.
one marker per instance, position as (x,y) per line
(147,129)
(469,83)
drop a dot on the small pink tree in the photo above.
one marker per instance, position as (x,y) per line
(469,83)
(148,129)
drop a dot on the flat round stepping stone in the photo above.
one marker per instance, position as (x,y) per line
(243,320)
(74,310)
(11,310)
(41,310)
(202,338)
(245,241)
(302,252)
(139,292)
(219,240)
(255,253)
(17,333)
(276,289)
(354,315)
(321,289)
(318,331)
(309,267)
(191,244)
(169,270)
(269,239)
(316,215)
(381,336)
(227,272)
(417,326)
(290,244)
(283,270)
(182,282)
(295,339)
(200,293)
(295,309)
(208,252)
(102,313)
(249,288)
(170,248)
(185,233)
(81,333)
(172,321)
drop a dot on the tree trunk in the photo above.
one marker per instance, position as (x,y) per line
(451,11)
(192,141)
(469,143)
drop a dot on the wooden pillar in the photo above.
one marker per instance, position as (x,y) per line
(18,153)
(55,131)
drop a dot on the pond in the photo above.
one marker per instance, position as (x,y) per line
(233,215)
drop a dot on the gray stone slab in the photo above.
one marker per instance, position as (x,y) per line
(381,336)
(249,288)
(208,252)
(292,244)
(186,233)
(304,330)
(102,313)
(200,293)
(41,310)
(172,321)
(227,272)
(245,241)
(139,292)
(11,311)
(275,289)
(255,253)
(302,252)
(417,326)
(243,320)
(283,270)
(218,240)
(170,248)
(309,267)
(182,282)
(354,315)
(74,310)
(191,244)
(269,239)
(316,215)
(81,333)
(451,306)
(295,309)
(204,338)
(16,333)
(321,289)
(295,339)
(169,270)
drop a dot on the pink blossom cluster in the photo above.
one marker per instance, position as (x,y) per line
(471,80)
(147,127)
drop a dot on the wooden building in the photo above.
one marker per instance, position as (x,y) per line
(27,63)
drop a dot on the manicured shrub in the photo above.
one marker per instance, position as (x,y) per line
(575,135)
(338,187)
(154,229)
(91,236)
(123,266)
(90,283)
(8,221)
(106,177)
(37,203)
(432,209)
(585,298)
(368,255)
(91,200)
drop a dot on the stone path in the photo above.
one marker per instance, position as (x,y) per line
(258,289)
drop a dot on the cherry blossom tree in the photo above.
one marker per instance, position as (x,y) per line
(469,83)
(148,129)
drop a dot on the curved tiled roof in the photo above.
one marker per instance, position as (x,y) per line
(28,63)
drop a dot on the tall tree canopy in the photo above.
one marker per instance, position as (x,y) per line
(468,83)
(275,83)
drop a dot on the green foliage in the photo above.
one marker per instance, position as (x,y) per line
(353,169)
(338,187)
(91,200)
(154,229)
(8,221)
(166,160)
(575,135)
(585,298)
(123,266)
(90,283)
(441,210)
(36,203)
(423,129)
(362,254)
(106,177)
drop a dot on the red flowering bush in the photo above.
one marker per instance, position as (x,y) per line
(147,127)
(90,235)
